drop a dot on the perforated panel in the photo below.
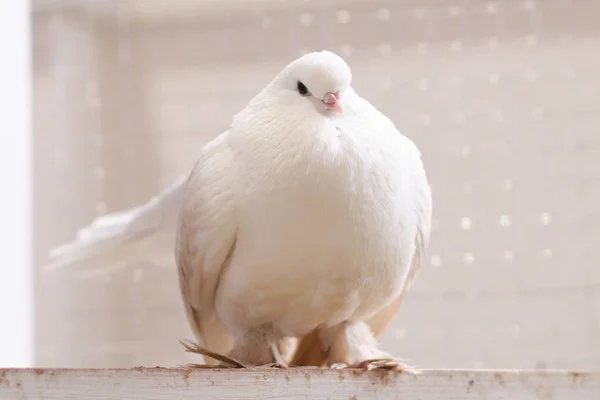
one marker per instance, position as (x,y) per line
(502,98)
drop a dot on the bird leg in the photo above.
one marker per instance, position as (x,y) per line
(259,347)
(279,361)
(286,348)
(353,345)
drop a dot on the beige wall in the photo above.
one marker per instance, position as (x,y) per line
(503,99)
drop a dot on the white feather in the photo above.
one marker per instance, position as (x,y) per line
(145,233)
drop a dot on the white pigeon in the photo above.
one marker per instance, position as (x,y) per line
(310,214)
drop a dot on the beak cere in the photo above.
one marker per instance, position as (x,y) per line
(332,101)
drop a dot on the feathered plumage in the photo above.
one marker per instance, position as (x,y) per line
(302,218)
(143,233)
(307,219)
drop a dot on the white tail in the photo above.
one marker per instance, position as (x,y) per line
(145,233)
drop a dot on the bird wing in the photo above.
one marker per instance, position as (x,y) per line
(205,241)
(423,210)
(143,233)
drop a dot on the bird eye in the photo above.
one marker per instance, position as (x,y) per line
(302,89)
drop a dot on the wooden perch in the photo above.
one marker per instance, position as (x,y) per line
(294,384)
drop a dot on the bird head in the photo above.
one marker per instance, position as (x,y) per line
(318,78)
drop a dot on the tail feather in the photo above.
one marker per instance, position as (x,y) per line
(210,334)
(122,237)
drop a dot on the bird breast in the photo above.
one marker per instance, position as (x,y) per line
(323,221)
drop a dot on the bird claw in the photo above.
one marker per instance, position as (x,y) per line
(338,366)
(388,364)
(273,365)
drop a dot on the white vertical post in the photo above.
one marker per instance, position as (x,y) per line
(16,261)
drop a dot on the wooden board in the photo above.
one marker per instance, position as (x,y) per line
(291,384)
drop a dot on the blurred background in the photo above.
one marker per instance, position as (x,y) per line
(502,98)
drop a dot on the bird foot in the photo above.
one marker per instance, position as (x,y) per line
(226,362)
(389,364)
(273,365)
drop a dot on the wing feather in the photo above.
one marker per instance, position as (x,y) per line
(205,241)
(423,210)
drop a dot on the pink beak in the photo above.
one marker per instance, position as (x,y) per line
(332,101)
